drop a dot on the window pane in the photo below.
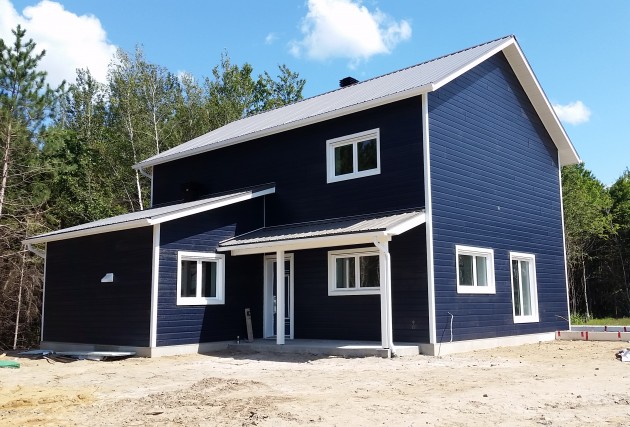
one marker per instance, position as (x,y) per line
(343,159)
(188,278)
(482,270)
(369,271)
(367,155)
(465,270)
(517,288)
(526,284)
(209,279)
(345,273)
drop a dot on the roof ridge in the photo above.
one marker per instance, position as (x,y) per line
(383,75)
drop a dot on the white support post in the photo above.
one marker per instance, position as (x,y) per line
(385,300)
(280,296)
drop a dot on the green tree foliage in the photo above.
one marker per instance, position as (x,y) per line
(25,100)
(67,154)
(587,221)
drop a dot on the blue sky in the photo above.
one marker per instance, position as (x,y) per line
(579,49)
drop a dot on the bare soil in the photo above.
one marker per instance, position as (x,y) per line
(556,383)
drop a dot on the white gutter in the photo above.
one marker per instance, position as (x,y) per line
(145,173)
(38,252)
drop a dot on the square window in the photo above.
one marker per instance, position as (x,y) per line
(475,270)
(354,272)
(200,278)
(524,292)
(353,156)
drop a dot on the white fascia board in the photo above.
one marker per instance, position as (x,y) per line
(399,96)
(305,243)
(158,219)
(407,225)
(473,64)
(567,153)
(90,231)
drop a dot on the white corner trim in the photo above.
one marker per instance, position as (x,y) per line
(155,270)
(428,209)
(41,338)
(527,78)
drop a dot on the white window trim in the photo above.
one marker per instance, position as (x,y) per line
(344,253)
(475,251)
(219,259)
(531,258)
(355,138)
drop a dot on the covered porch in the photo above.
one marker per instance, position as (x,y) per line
(374,231)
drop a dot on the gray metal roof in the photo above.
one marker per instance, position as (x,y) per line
(408,82)
(388,223)
(152,216)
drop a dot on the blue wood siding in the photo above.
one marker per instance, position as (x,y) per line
(358,317)
(495,184)
(296,161)
(81,309)
(243,276)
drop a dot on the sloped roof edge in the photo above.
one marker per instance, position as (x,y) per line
(433,75)
(153,216)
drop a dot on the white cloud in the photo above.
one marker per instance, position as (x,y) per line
(573,112)
(71,41)
(271,38)
(347,29)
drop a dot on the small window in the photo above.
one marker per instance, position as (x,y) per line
(354,272)
(475,270)
(353,156)
(524,293)
(200,278)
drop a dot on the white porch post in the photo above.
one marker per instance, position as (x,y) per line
(385,280)
(280,296)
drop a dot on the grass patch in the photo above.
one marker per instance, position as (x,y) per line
(605,321)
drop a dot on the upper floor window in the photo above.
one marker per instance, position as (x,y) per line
(354,272)
(524,292)
(200,278)
(353,156)
(475,270)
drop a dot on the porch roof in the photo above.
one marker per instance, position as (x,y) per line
(152,216)
(326,233)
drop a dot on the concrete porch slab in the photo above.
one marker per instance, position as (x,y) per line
(324,347)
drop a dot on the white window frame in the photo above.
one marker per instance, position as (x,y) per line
(353,139)
(488,254)
(201,257)
(332,272)
(531,258)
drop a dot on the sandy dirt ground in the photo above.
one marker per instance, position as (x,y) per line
(556,383)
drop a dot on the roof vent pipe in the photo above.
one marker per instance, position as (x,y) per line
(347,81)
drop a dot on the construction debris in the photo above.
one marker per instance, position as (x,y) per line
(624,355)
(70,356)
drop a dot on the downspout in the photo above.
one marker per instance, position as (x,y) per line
(383,247)
(146,174)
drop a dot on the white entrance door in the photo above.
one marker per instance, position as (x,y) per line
(269,321)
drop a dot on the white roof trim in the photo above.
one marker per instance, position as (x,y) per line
(161,215)
(508,45)
(343,239)
(567,153)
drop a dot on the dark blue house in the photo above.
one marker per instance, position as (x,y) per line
(423,206)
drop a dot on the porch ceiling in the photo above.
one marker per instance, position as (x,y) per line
(326,233)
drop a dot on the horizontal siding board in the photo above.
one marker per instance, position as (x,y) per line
(495,184)
(179,325)
(81,309)
(296,162)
